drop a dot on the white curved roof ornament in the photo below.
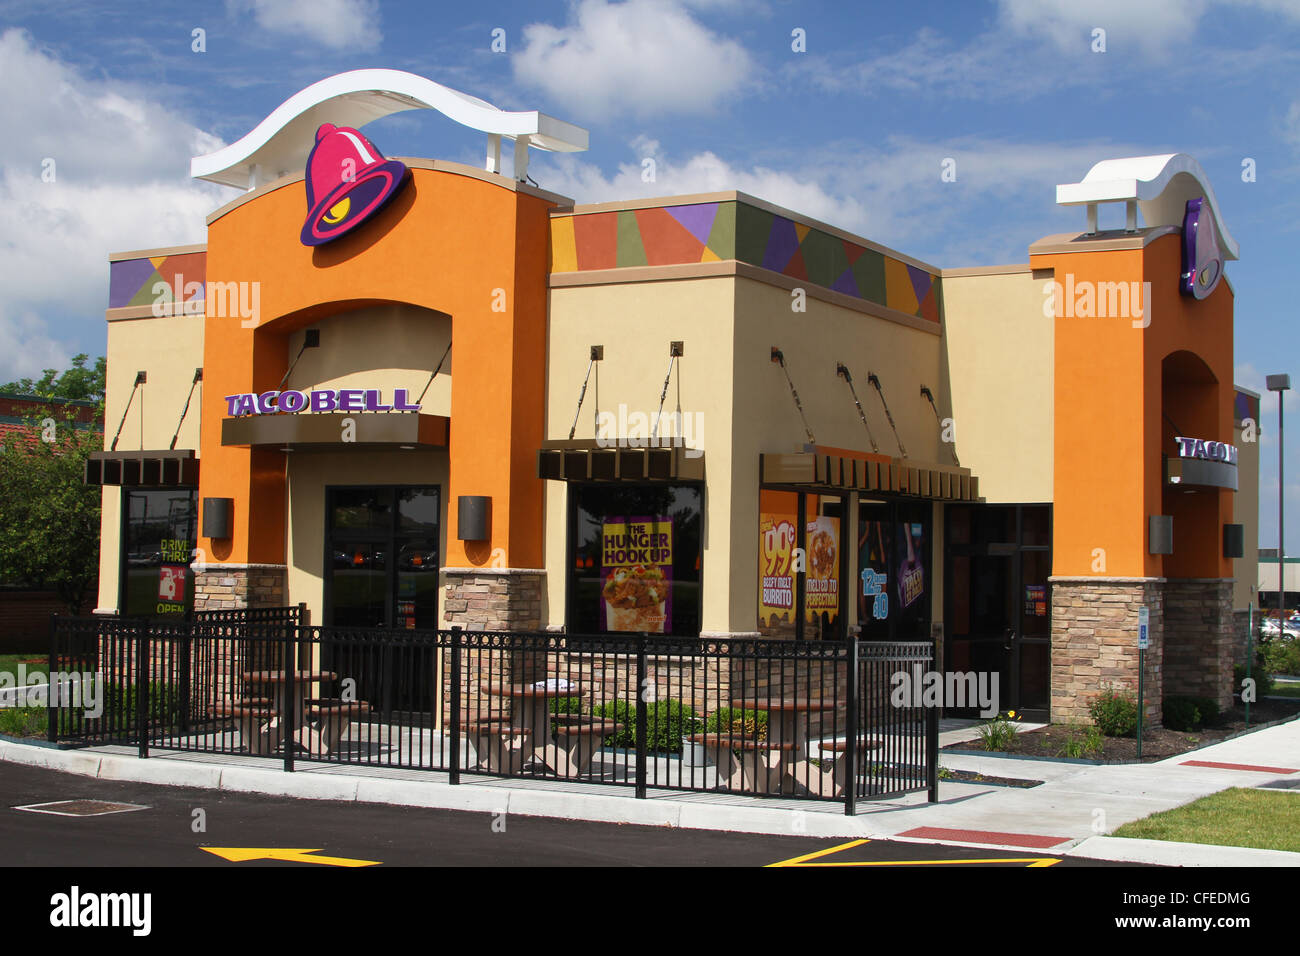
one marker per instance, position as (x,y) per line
(1159,185)
(281,142)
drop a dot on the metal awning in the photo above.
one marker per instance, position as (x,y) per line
(839,471)
(149,469)
(587,461)
(1198,473)
(325,431)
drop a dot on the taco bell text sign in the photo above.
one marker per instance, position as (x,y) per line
(318,400)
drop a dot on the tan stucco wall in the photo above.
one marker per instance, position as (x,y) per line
(636,323)
(168,349)
(1000,359)
(384,347)
(1245,512)
(311,472)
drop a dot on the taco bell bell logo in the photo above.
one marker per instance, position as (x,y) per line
(348,181)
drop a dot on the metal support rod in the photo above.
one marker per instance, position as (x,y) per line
(843,372)
(1281,522)
(779,358)
(663,394)
(1250,652)
(140,379)
(453,766)
(597,354)
(198,377)
(420,400)
(952,446)
(875,381)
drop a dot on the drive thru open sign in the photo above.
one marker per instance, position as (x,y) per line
(1144,624)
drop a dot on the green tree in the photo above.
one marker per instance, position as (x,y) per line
(75,384)
(49,519)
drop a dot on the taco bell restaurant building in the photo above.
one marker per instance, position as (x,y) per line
(412,393)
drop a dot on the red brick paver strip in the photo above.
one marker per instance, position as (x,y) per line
(1253,767)
(985,836)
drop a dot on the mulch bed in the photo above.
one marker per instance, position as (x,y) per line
(970,776)
(1156,744)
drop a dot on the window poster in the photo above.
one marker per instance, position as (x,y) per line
(636,574)
(910,557)
(173,570)
(822,582)
(1036,600)
(776,544)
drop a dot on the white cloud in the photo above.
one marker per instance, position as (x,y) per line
(336,24)
(640,57)
(120,181)
(1154,26)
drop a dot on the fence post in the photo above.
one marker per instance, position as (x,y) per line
(287,698)
(52,714)
(851,744)
(932,738)
(453,773)
(640,720)
(142,687)
(187,636)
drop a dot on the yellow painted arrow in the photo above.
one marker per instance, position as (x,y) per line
(240,854)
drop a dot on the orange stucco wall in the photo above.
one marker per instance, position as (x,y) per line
(473,250)
(1110,418)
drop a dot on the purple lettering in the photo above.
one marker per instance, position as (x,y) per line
(292,401)
(400,404)
(266,402)
(350,400)
(373,404)
(325,401)
(232,404)
(247,405)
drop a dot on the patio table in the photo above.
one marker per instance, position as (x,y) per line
(307,737)
(530,709)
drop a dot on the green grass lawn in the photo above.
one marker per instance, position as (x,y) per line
(9,662)
(1285,690)
(1235,817)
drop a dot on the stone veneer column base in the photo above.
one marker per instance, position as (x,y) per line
(1200,639)
(1094,642)
(223,587)
(493,599)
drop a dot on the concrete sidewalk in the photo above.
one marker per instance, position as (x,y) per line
(1065,815)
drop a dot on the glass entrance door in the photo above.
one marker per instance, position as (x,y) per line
(383,558)
(997,612)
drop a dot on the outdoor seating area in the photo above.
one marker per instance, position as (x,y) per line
(768,718)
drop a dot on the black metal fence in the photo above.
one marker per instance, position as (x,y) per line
(811,719)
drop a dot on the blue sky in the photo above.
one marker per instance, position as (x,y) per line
(852,131)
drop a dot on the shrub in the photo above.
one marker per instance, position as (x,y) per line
(666,723)
(122,700)
(997,734)
(739,722)
(1180,713)
(1076,747)
(1114,712)
(23,721)
(1258,673)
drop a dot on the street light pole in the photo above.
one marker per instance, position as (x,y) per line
(1280,384)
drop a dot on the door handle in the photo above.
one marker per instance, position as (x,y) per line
(1009,638)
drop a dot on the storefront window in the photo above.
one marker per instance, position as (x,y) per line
(800,601)
(635,559)
(894,579)
(157,547)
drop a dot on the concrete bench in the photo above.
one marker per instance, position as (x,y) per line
(758,766)
(833,779)
(499,746)
(334,719)
(252,717)
(577,739)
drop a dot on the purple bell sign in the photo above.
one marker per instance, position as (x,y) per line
(1202,257)
(348,181)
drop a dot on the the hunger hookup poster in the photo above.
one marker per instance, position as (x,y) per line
(636,572)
